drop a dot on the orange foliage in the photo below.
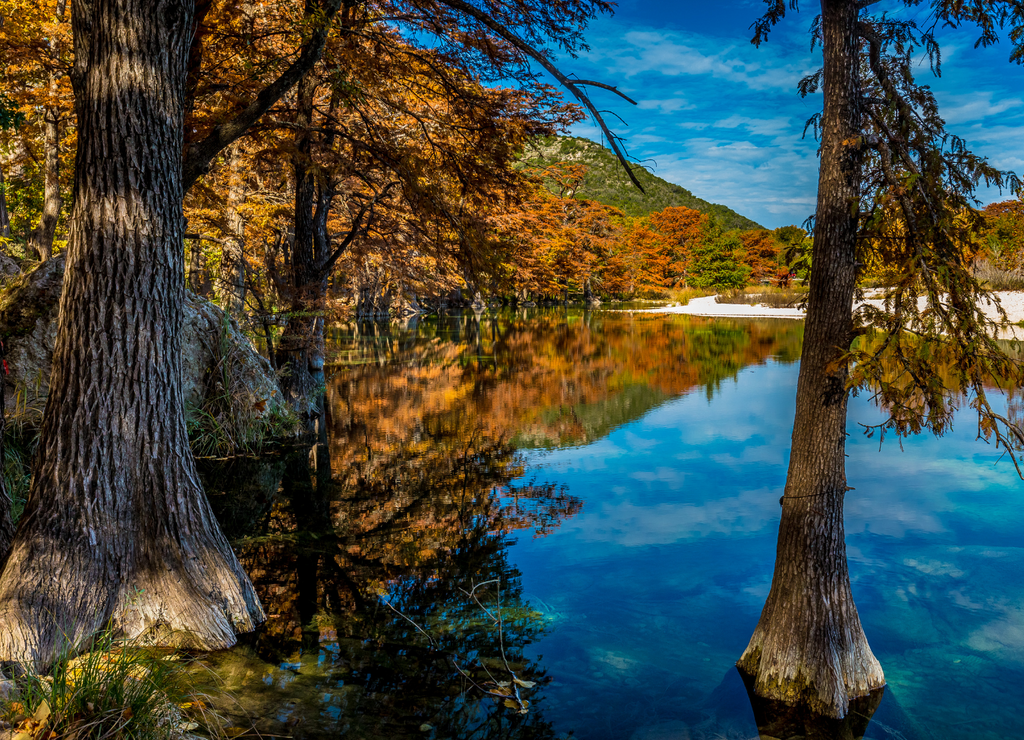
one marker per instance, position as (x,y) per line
(1003,233)
(761,255)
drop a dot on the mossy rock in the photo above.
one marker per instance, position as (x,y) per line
(211,343)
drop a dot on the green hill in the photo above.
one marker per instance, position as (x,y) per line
(608,184)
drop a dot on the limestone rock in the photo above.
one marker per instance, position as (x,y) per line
(8,267)
(214,350)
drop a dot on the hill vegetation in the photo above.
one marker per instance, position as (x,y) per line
(607,184)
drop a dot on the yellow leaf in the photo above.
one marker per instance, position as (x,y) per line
(42,712)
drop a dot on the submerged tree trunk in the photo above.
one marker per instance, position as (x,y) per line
(117,529)
(809,647)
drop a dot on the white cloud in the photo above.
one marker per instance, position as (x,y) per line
(976,107)
(674,54)
(667,105)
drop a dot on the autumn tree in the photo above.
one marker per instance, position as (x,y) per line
(1002,234)
(884,150)
(683,228)
(638,262)
(117,530)
(35,59)
(761,253)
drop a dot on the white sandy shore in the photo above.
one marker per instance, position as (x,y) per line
(1012,303)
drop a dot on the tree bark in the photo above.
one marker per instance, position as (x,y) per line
(232,269)
(41,240)
(117,529)
(5,218)
(809,647)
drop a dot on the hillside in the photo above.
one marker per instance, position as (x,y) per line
(607,183)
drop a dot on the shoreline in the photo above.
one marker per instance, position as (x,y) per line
(1012,303)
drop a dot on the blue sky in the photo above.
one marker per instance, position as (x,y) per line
(723,118)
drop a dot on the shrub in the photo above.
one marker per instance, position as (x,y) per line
(771,297)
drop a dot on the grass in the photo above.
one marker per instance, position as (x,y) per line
(768,295)
(683,296)
(994,277)
(21,436)
(111,691)
(222,425)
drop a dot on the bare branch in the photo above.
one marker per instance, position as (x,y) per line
(572,86)
(604,86)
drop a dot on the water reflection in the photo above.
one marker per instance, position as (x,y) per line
(412,497)
(333,657)
(778,721)
(620,475)
(539,378)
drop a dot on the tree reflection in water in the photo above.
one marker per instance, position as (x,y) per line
(412,493)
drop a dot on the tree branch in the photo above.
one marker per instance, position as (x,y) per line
(200,154)
(325,268)
(572,86)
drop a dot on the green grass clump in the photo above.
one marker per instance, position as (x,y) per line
(225,428)
(111,691)
(21,435)
(224,424)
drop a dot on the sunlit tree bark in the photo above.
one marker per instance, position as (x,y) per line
(117,528)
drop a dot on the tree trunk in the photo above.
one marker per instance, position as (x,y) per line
(117,529)
(5,218)
(198,274)
(41,240)
(809,647)
(301,347)
(232,269)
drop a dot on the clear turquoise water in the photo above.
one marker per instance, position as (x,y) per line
(655,586)
(635,567)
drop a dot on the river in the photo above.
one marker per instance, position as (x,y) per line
(611,481)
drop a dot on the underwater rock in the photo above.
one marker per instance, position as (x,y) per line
(209,339)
